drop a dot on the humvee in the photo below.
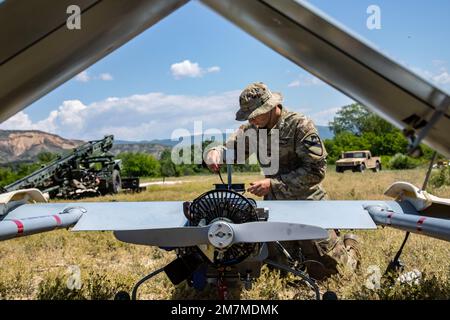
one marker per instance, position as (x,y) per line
(358,161)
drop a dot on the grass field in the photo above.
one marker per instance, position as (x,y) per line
(94,265)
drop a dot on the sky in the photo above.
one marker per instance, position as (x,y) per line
(193,64)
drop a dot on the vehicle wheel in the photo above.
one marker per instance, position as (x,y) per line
(339,170)
(361,167)
(116,182)
(377,167)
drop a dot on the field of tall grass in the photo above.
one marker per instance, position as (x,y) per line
(93,265)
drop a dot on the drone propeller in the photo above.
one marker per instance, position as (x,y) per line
(222,234)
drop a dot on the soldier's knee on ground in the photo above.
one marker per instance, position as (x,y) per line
(336,253)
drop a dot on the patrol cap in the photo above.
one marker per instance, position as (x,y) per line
(257,99)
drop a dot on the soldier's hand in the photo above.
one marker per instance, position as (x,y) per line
(260,188)
(213,160)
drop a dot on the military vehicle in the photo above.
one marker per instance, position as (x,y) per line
(88,170)
(442,164)
(358,161)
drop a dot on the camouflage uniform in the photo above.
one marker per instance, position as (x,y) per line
(302,167)
(302,157)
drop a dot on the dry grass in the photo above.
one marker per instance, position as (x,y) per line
(39,266)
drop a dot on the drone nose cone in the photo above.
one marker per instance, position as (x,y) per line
(220,234)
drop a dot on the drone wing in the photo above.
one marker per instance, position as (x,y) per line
(26,219)
(324,214)
(164,224)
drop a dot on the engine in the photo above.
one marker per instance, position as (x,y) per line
(228,206)
(239,261)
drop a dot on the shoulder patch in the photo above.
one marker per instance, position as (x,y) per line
(313,143)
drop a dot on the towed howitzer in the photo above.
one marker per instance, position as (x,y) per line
(87,170)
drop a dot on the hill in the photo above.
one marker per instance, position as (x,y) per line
(25,145)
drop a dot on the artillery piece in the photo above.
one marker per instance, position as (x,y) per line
(88,170)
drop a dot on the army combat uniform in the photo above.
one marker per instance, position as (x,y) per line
(302,167)
(302,157)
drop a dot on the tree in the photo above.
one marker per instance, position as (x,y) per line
(357,119)
(140,165)
(168,168)
(7,176)
(46,157)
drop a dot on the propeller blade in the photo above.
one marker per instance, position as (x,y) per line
(222,234)
(276,231)
(170,237)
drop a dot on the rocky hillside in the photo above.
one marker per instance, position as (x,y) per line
(24,146)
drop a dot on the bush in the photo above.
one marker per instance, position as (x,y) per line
(55,288)
(385,160)
(7,176)
(139,165)
(400,162)
(94,287)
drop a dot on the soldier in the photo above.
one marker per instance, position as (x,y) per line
(302,166)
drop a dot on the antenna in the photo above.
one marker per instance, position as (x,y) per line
(229,173)
(238,187)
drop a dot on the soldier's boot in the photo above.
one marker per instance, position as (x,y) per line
(353,251)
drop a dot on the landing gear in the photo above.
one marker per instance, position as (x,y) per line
(296,265)
(396,264)
(309,281)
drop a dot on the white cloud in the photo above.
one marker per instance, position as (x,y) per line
(185,69)
(306,81)
(423,73)
(293,84)
(18,121)
(190,69)
(442,78)
(21,121)
(213,69)
(83,77)
(148,116)
(138,117)
(106,77)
